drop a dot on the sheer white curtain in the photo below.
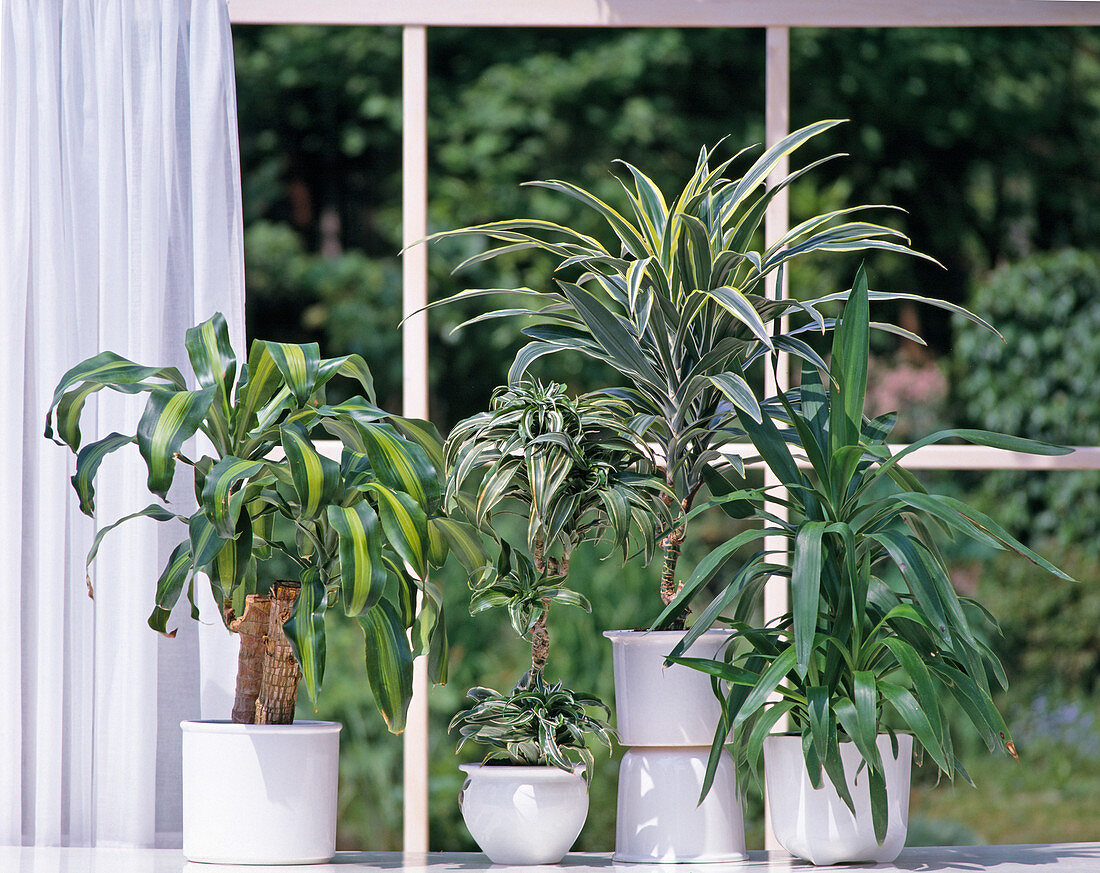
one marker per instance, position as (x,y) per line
(120,226)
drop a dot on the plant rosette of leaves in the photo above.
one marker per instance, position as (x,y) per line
(363,532)
(679,304)
(876,637)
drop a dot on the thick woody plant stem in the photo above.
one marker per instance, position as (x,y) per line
(279,683)
(672,545)
(252,627)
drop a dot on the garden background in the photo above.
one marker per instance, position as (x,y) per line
(986,138)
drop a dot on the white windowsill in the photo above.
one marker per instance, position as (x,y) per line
(1052,858)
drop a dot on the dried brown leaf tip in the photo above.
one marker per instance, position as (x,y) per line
(1010,747)
(88,582)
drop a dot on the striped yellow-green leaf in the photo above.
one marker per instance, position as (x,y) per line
(170,586)
(299,365)
(305,630)
(429,633)
(402,465)
(424,434)
(362,573)
(352,366)
(105,370)
(154,511)
(463,542)
(405,526)
(232,572)
(316,478)
(170,418)
(205,541)
(214,364)
(389,663)
(87,465)
(218,489)
(261,379)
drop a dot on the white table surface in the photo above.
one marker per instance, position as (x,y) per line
(1055,858)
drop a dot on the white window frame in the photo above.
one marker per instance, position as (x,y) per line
(776,17)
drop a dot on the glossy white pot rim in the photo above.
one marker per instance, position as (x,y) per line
(224,726)
(660,637)
(531,772)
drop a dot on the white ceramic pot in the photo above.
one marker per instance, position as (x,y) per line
(657,705)
(668,715)
(523,815)
(260,794)
(815,824)
(659,818)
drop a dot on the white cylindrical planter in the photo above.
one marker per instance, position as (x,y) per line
(667,715)
(260,794)
(523,815)
(815,824)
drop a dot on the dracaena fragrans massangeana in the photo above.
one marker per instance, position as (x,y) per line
(363,532)
(682,302)
(876,637)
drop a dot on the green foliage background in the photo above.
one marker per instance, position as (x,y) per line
(986,139)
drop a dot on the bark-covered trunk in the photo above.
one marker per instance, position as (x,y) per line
(252,627)
(267,672)
(669,586)
(279,684)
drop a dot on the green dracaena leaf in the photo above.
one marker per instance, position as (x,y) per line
(233,570)
(170,586)
(463,542)
(170,419)
(105,370)
(316,478)
(402,465)
(362,573)
(351,366)
(221,480)
(205,541)
(87,465)
(299,366)
(806,590)
(405,526)
(154,511)
(262,382)
(215,364)
(849,367)
(389,663)
(305,631)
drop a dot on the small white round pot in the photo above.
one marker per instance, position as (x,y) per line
(657,705)
(260,794)
(815,824)
(659,818)
(523,815)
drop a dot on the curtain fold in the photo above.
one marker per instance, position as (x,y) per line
(120,226)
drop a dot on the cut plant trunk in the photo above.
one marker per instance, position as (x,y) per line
(267,671)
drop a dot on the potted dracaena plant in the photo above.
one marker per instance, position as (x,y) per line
(876,637)
(362,533)
(680,305)
(573,470)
